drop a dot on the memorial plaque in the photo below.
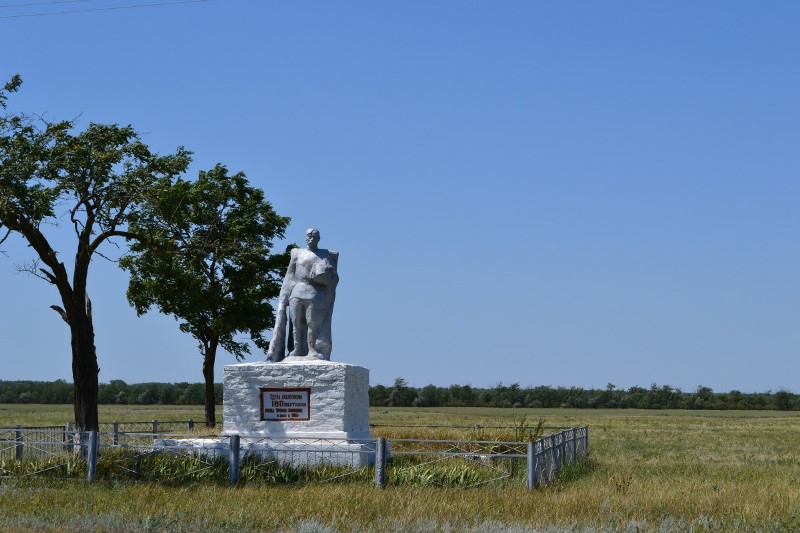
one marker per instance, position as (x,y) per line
(284,405)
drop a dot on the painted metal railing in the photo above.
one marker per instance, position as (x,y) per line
(127,455)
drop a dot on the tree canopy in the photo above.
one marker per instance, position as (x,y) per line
(93,180)
(205,258)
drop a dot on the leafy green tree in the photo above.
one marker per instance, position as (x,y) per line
(206,260)
(378,395)
(783,400)
(401,395)
(92,181)
(192,395)
(429,396)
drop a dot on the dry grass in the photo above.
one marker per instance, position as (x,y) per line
(43,415)
(682,471)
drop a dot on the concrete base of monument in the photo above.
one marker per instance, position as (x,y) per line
(296,399)
(301,412)
(298,412)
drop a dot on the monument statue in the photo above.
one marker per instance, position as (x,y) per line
(308,293)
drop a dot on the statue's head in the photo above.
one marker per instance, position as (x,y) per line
(312,238)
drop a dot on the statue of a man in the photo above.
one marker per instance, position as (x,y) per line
(308,292)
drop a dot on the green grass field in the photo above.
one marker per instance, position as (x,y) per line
(648,471)
(43,415)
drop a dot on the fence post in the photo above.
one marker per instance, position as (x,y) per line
(191,424)
(554,451)
(531,465)
(380,462)
(155,426)
(587,441)
(557,450)
(233,460)
(70,438)
(115,427)
(574,445)
(91,465)
(18,446)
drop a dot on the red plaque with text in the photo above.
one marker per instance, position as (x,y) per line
(285,405)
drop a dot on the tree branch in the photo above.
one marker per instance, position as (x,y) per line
(121,213)
(76,222)
(34,270)
(46,253)
(61,312)
(48,276)
(106,257)
(113,233)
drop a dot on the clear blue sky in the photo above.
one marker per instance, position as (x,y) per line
(558,193)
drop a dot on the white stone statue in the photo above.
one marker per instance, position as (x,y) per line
(308,292)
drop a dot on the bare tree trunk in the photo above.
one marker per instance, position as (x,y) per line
(84,373)
(208,373)
(79,317)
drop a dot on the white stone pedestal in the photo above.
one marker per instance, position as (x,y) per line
(298,412)
(336,398)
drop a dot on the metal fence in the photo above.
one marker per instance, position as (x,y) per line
(39,441)
(549,454)
(55,451)
(44,450)
(450,462)
(151,426)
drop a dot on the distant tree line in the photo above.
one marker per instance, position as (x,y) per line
(115,392)
(401,394)
(656,397)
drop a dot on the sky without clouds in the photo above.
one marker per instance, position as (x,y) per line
(557,193)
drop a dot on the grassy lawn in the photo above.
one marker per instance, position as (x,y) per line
(651,470)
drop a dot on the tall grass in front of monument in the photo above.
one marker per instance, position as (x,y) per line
(651,470)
